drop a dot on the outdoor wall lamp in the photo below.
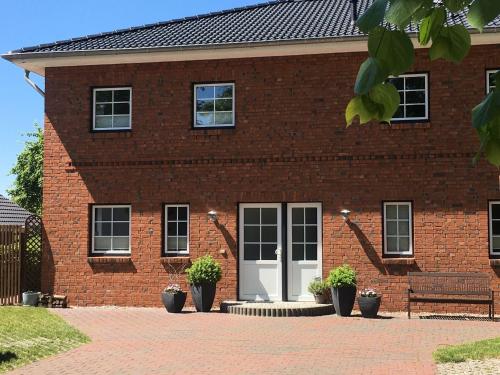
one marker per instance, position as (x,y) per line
(212,216)
(345,214)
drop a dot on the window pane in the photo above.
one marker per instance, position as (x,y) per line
(224,105)
(311,252)
(182,229)
(103,96)
(496,243)
(223,118)
(268,252)
(122,95)
(269,234)
(172,228)
(103,214)
(415,97)
(102,243)
(495,226)
(104,109)
(297,216)
(415,111)
(121,108)
(392,244)
(398,82)
(172,213)
(297,233)
(224,91)
(391,228)
(120,243)
(391,211)
(311,215)
(121,214)
(102,229)
(252,252)
(204,92)
(413,83)
(252,234)
(121,122)
(172,243)
(495,211)
(182,244)
(311,234)
(251,215)
(269,216)
(103,122)
(404,244)
(182,211)
(298,252)
(205,105)
(404,228)
(400,112)
(204,119)
(403,211)
(121,229)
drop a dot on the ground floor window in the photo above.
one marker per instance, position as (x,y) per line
(111,229)
(398,229)
(494,226)
(177,229)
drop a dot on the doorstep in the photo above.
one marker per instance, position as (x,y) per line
(275,309)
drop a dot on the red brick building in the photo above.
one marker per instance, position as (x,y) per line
(147,130)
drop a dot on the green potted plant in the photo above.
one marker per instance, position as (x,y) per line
(369,302)
(342,281)
(202,277)
(318,289)
(173,298)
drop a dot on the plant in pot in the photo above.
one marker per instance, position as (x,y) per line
(318,289)
(31,298)
(202,277)
(369,302)
(342,281)
(174,298)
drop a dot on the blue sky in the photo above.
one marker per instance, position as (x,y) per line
(31,22)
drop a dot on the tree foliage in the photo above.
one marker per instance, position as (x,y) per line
(391,53)
(27,189)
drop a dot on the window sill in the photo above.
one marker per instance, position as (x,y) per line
(399,261)
(406,125)
(111,134)
(495,262)
(176,260)
(107,259)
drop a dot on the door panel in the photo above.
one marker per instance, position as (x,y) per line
(304,248)
(260,251)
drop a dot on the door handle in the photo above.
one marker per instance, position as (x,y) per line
(278,252)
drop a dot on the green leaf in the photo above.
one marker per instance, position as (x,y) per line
(490,142)
(393,49)
(370,74)
(482,12)
(452,44)
(387,96)
(456,6)
(431,25)
(373,16)
(363,107)
(400,12)
(492,152)
(424,10)
(486,111)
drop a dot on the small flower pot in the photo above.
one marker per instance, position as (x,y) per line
(174,302)
(31,298)
(203,296)
(321,299)
(343,300)
(369,306)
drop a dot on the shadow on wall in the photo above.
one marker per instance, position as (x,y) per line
(230,240)
(113,267)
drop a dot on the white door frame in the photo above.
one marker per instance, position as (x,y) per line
(242,262)
(318,262)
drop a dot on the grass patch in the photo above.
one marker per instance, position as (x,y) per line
(476,350)
(29,333)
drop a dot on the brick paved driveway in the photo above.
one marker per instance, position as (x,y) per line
(150,341)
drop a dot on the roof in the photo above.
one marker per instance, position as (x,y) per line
(276,21)
(11,213)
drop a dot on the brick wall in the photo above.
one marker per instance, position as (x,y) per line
(290,144)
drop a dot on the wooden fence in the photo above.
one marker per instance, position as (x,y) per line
(11,240)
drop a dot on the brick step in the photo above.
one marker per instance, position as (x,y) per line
(275,309)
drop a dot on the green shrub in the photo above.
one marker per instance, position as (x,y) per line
(317,287)
(204,270)
(342,276)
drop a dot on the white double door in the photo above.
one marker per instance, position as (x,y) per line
(263,258)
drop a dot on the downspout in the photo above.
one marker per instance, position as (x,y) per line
(31,83)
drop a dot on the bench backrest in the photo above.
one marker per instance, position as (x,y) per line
(449,283)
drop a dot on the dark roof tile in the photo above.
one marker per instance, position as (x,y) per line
(11,213)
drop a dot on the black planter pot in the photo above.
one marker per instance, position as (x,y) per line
(174,302)
(203,296)
(369,306)
(343,300)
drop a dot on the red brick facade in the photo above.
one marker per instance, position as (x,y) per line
(290,144)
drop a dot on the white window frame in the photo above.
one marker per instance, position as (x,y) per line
(410,229)
(112,252)
(232,125)
(488,85)
(490,227)
(94,112)
(166,252)
(426,117)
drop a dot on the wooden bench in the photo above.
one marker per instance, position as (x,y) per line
(450,287)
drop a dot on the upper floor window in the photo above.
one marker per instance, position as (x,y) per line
(414,93)
(177,229)
(490,80)
(111,229)
(112,108)
(494,226)
(398,228)
(214,105)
